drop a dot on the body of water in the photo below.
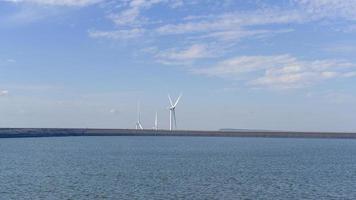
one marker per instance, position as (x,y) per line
(177,168)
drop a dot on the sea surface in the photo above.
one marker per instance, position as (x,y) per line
(177,168)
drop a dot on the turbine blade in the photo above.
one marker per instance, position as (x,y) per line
(156,121)
(138,111)
(170,100)
(177,100)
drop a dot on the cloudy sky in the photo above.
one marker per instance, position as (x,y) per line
(258,64)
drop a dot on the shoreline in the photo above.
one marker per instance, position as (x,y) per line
(65,132)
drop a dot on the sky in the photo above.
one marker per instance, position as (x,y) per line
(257,64)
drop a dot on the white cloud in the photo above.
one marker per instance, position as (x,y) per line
(4,92)
(329,8)
(233,21)
(240,24)
(118,34)
(129,20)
(33,88)
(229,36)
(25,15)
(114,111)
(231,27)
(126,17)
(350,74)
(193,52)
(30,11)
(10,60)
(7,61)
(176,3)
(224,28)
(58,2)
(131,15)
(341,48)
(206,33)
(281,71)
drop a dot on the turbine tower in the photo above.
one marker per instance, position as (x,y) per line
(138,123)
(172,113)
(156,123)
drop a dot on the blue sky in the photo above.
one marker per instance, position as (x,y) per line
(258,64)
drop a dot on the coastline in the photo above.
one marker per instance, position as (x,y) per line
(65,132)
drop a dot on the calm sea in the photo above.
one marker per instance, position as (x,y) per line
(177,168)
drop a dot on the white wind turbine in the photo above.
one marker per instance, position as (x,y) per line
(172,112)
(155,127)
(138,123)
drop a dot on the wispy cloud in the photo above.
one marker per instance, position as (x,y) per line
(25,15)
(129,22)
(131,15)
(30,11)
(57,2)
(228,27)
(118,34)
(341,48)
(233,22)
(329,8)
(11,60)
(7,61)
(184,56)
(202,34)
(114,111)
(4,93)
(280,71)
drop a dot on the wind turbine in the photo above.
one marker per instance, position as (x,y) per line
(138,123)
(172,113)
(156,123)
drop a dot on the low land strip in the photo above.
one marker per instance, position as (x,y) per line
(62,132)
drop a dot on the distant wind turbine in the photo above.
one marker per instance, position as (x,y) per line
(156,123)
(138,123)
(172,113)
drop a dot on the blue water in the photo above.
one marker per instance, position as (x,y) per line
(177,168)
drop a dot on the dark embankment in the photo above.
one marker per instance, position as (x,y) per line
(55,132)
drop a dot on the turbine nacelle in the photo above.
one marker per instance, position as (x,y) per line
(175,103)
